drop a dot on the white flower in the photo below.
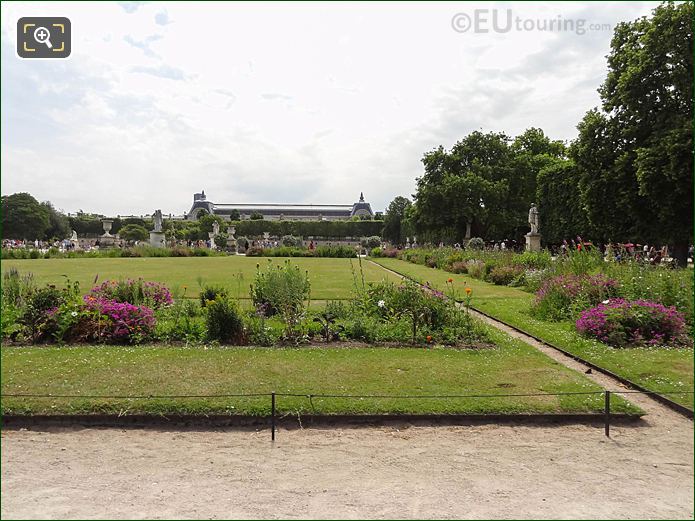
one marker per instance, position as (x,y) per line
(606,301)
(381,303)
(74,313)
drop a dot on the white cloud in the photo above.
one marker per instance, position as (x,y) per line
(276,102)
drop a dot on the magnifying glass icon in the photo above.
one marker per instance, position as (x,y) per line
(43,35)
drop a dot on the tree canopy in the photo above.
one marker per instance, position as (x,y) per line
(23,217)
(394,229)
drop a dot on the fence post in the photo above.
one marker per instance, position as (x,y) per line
(607,414)
(272,416)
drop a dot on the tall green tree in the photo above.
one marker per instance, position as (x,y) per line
(460,187)
(23,217)
(647,117)
(394,231)
(559,202)
(58,224)
(133,232)
(483,186)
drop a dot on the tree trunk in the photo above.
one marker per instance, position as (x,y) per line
(680,254)
(468,230)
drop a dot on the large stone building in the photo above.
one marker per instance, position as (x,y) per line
(274,212)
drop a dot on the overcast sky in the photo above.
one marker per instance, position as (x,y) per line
(283,103)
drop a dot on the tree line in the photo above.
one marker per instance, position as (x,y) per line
(626,177)
(23,217)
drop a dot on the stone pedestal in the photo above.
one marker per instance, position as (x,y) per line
(533,242)
(231,245)
(107,240)
(157,239)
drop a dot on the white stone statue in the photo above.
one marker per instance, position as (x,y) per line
(215,229)
(534,219)
(73,237)
(157,220)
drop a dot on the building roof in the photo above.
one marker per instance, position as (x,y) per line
(288,207)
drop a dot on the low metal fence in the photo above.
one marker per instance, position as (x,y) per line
(606,414)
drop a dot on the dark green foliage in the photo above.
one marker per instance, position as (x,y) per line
(371,242)
(635,156)
(560,202)
(210,293)
(326,229)
(291,241)
(395,225)
(58,224)
(223,321)
(134,232)
(23,217)
(484,185)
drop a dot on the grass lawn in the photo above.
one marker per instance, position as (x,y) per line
(510,367)
(330,278)
(660,370)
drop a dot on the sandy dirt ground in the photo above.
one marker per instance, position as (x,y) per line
(376,472)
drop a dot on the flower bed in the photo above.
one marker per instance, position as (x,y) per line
(564,296)
(624,323)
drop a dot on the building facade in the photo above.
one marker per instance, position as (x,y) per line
(275,212)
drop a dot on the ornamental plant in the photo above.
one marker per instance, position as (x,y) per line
(133,291)
(121,322)
(623,323)
(564,296)
(282,290)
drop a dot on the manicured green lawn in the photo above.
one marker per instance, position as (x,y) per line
(661,370)
(511,367)
(330,278)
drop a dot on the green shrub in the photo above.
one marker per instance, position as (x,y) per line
(39,309)
(458,267)
(291,241)
(282,290)
(535,260)
(371,242)
(182,321)
(262,332)
(476,269)
(338,252)
(505,275)
(223,321)
(209,293)
(476,243)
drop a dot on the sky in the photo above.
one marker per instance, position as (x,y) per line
(284,102)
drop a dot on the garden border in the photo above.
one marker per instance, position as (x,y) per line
(212,420)
(17,421)
(681,409)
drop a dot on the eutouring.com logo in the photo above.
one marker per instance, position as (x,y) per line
(504,21)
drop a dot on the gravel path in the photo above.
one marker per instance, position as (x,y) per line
(377,472)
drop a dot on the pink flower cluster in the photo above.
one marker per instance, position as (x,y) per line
(126,322)
(621,322)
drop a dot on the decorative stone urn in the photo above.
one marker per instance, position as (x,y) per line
(107,240)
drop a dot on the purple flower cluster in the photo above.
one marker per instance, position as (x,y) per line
(621,322)
(137,291)
(126,322)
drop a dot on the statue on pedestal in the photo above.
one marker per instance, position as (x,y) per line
(157,216)
(533,238)
(534,219)
(215,229)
